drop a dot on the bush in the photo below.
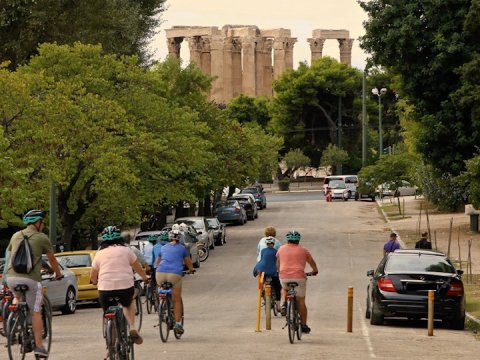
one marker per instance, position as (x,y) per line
(284,185)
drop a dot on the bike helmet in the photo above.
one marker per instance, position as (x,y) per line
(152,238)
(293,235)
(174,235)
(183,227)
(32,216)
(270,240)
(163,236)
(111,233)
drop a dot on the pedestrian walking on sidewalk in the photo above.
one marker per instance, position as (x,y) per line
(423,243)
(391,245)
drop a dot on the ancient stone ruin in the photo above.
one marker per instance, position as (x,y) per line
(245,59)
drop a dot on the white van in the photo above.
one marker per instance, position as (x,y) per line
(351,182)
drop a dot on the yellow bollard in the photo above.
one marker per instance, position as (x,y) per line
(268,307)
(259,302)
(431,297)
(350,309)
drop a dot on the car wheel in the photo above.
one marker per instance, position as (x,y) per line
(373,198)
(196,264)
(70,302)
(357,196)
(224,241)
(457,323)
(256,215)
(367,312)
(376,316)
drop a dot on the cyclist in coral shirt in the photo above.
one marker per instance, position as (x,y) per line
(291,261)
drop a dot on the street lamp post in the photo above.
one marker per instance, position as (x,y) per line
(378,93)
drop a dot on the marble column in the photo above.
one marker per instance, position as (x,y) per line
(282,55)
(316,48)
(249,83)
(345,50)
(195,45)
(267,89)
(174,45)
(232,68)
(216,54)
(206,56)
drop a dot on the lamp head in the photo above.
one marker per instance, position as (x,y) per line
(375,91)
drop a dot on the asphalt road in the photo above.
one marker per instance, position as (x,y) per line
(345,239)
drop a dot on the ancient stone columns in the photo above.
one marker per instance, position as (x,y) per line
(244,59)
(345,44)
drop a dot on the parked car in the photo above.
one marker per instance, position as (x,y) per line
(62,293)
(405,189)
(219,231)
(248,202)
(191,240)
(351,182)
(338,190)
(80,262)
(366,190)
(201,226)
(258,195)
(231,211)
(399,288)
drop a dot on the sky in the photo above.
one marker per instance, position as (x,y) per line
(300,16)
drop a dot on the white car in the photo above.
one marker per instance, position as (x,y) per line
(406,189)
(338,189)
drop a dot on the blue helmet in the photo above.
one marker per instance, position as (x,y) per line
(293,235)
(111,233)
(32,216)
(163,236)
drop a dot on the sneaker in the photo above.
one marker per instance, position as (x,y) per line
(305,329)
(283,311)
(135,336)
(178,328)
(40,352)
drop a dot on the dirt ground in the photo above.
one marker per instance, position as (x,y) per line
(449,232)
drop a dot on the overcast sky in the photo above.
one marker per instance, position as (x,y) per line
(300,16)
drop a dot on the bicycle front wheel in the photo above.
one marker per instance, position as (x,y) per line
(178,335)
(164,320)
(291,319)
(138,312)
(149,298)
(274,304)
(16,337)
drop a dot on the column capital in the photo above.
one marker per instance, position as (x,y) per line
(232,44)
(174,45)
(284,43)
(316,44)
(345,44)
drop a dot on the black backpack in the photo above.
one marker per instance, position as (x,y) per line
(22,259)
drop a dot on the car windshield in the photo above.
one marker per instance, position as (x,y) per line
(337,185)
(72,261)
(197,224)
(418,263)
(250,191)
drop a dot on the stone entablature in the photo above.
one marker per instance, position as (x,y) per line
(240,57)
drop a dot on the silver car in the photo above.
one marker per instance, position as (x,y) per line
(201,226)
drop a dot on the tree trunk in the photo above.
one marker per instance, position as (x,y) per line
(201,209)
(231,190)
(207,206)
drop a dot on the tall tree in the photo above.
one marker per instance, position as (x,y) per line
(426,42)
(121,26)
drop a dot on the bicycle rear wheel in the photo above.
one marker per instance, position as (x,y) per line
(164,320)
(291,319)
(5,314)
(177,335)
(16,336)
(112,340)
(298,325)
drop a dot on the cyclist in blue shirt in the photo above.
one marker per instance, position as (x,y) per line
(162,239)
(171,262)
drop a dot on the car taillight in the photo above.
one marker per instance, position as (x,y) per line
(456,288)
(386,285)
(237,210)
(258,195)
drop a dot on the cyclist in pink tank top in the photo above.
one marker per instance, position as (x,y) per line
(291,261)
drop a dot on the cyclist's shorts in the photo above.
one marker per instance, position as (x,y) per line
(175,279)
(33,294)
(106,297)
(301,289)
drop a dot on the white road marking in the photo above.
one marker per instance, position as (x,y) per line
(365,333)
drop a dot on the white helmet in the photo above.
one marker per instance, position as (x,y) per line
(175,227)
(183,227)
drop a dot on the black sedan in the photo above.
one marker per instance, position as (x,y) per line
(399,288)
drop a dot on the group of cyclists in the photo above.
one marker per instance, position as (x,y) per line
(167,258)
(283,264)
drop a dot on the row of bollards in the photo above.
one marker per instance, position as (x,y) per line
(431,298)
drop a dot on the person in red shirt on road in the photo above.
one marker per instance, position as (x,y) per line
(291,261)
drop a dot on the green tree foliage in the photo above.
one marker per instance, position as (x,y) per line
(121,26)
(428,65)
(470,177)
(295,159)
(247,109)
(305,109)
(117,139)
(333,156)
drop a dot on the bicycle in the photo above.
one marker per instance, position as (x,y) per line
(19,332)
(151,295)
(268,281)
(6,297)
(119,343)
(293,315)
(138,303)
(166,315)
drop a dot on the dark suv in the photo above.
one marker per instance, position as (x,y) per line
(258,194)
